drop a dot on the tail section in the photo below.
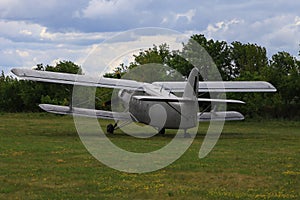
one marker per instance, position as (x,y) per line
(192,85)
(189,109)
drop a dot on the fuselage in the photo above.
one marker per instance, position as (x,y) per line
(159,114)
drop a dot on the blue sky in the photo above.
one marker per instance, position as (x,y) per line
(34,31)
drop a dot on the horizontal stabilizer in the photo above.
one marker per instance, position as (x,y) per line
(220,116)
(75,79)
(184,99)
(220,100)
(65,110)
(162,99)
(221,86)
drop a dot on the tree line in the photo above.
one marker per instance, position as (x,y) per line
(234,61)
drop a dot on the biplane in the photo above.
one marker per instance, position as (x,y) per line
(148,103)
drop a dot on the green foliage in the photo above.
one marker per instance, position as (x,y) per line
(153,55)
(220,53)
(235,61)
(10,100)
(65,67)
(248,58)
(283,72)
(24,96)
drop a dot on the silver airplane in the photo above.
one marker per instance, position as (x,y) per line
(145,101)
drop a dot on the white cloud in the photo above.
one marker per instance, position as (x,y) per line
(16,29)
(23,44)
(98,8)
(119,50)
(164,20)
(297,21)
(222,29)
(22,53)
(278,33)
(188,15)
(222,26)
(46,35)
(31,32)
(26,32)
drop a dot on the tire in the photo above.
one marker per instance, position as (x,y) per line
(162,131)
(110,129)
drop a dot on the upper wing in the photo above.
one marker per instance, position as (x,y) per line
(74,79)
(65,110)
(220,86)
(83,80)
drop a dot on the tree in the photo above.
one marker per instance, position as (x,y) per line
(10,100)
(63,67)
(19,96)
(209,56)
(248,58)
(284,74)
(284,63)
(236,61)
(155,54)
(220,53)
(59,93)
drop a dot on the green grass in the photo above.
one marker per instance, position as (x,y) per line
(42,157)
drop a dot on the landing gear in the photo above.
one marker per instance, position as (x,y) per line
(162,131)
(186,134)
(110,129)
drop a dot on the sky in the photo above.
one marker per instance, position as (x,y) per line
(34,31)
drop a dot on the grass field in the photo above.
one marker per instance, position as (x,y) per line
(42,157)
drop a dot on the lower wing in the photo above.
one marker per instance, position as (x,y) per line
(125,116)
(65,110)
(220,116)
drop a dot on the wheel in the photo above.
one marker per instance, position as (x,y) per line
(162,131)
(186,134)
(110,129)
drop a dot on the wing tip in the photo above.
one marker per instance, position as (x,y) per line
(15,71)
(221,116)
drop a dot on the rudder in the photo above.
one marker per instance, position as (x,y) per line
(192,85)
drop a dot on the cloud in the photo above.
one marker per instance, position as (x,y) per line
(188,15)
(297,21)
(27,44)
(222,27)
(277,33)
(56,15)
(285,36)
(35,31)
(99,8)
(19,30)
(22,53)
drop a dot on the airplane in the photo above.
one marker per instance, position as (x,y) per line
(146,100)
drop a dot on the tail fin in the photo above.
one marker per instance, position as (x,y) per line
(191,88)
